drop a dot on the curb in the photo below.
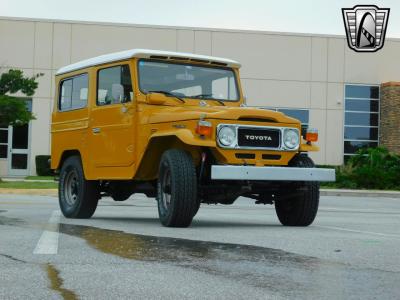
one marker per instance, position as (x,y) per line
(35,192)
(359,193)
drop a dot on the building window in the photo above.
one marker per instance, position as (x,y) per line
(74,93)
(301,114)
(3,142)
(361,119)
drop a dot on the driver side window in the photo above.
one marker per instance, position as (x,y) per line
(114,85)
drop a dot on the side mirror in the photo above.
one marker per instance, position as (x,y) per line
(156,98)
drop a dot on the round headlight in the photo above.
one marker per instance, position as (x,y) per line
(291,138)
(227,136)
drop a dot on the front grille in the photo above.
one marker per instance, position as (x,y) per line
(259,137)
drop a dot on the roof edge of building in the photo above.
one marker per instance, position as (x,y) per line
(212,29)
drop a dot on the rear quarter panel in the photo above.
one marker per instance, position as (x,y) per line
(69,129)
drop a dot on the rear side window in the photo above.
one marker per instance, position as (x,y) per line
(114,85)
(74,93)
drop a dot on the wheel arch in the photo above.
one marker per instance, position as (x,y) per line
(68,153)
(149,164)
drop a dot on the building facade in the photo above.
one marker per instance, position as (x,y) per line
(315,78)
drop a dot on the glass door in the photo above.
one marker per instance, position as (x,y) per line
(18,150)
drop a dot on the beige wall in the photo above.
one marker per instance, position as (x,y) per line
(3,167)
(279,70)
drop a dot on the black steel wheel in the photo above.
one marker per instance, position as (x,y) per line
(177,189)
(77,196)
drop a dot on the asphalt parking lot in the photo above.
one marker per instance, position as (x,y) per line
(352,251)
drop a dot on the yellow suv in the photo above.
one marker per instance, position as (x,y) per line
(175,126)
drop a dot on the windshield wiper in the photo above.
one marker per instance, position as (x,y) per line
(169,94)
(202,96)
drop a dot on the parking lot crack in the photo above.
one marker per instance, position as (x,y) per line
(13,258)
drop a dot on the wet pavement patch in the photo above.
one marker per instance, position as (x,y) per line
(56,283)
(281,273)
(152,248)
(10,221)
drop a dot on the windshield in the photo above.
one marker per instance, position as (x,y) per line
(189,81)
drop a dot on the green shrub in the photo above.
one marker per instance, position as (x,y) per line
(372,168)
(43,166)
(376,168)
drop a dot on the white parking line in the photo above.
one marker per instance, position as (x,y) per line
(48,242)
(360,231)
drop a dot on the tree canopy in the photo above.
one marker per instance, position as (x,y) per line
(13,111)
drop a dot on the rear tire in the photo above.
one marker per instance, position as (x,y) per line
(177,189)
(301,208)
(77,196)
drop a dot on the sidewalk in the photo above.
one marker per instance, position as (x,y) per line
(34,192)
(15,179)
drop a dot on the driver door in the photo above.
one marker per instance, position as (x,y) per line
(111,120)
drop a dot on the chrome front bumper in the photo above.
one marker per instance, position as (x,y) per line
(271,173)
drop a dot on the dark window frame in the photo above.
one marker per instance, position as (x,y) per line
(60,94)
(5,144)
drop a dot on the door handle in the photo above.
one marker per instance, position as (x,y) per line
(96,130)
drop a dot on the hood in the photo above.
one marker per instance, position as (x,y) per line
(184,113)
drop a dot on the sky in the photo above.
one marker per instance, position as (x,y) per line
(300,16)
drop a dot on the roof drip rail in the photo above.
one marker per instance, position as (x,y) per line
(159,57)
(200,60)
(178,58)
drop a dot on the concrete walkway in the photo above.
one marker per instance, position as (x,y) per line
(19,179)
(36,192)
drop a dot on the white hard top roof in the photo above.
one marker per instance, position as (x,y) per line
(146,53)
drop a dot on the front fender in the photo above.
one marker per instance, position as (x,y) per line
(308,148)
(186,136)
(161,141)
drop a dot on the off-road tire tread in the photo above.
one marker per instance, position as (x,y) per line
(183,188)
(307,203)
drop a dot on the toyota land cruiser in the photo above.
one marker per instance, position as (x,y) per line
(175,126)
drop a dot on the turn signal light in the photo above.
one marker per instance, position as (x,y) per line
(312,135)
(204,128)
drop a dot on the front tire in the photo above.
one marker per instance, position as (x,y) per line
(299,209)
(77,196)
(177,189)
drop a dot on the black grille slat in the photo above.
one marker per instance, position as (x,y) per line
(245,155)
(259,137)
(271,156)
